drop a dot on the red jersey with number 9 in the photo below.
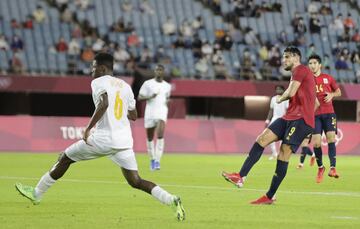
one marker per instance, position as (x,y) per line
(302,104)
(325,84)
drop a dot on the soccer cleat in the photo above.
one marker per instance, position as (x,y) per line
(178,208)
(300,166)
(332,173)
(312,160)
(320,174)
(157,165)
(234,178)
(152,164)
(28,192)
(263,200)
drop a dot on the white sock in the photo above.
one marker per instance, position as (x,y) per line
(273,149)
(159,148)
(162,195)
(44,184)
(150,149)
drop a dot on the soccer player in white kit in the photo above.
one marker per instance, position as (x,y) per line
(114,106)
(276,111)
(156,93)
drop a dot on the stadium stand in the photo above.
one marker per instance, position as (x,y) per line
(239,28)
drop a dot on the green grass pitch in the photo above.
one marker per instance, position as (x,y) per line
(93,194)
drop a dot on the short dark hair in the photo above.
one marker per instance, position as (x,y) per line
(279,86)
(105,59)
(316,57)
(293,50)
(160,66)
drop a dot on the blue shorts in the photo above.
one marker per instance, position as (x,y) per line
(326,123)
(292,132)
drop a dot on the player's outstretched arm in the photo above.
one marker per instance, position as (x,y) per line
(143,97)
(289,92)
(132,115)
(98,113)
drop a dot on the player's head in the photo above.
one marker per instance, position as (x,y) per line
(291,57)
(159,71)
(102,65)
(279,89)
(314,63)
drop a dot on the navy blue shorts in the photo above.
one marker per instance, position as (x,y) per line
(292,132)
(326,123)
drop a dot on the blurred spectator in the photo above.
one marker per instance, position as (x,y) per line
(39,14)
(15,24)
(28,23)
(283,38)
(146,58)
(61,46)
(76,31)
(87,55)
(186,29)
(98,45)
(207,50)
(3,43)
(198,23)
(74,47)
(349,22)
(61,4)
(161,57)
(215,6)
(247,70)
(176,71)
(121,55)
(295,20)
(196,46)
(83,4)
(133,40)
(129,28)
(226,42)
(127,6)
(235,34)
(169,27)
(326,62)
(275,57)
(239,8)
(251,38)
(300,40)
(145,7)
(202,69)
(118,26)
(314,24)
(310,51)
(220,69)
(312,8)
(345,36)
(355,57)
(337,48)
(356,36)
(52,49)
(179,42)
(67,16)
(263,53)
(340,63)
(16,63)
(325,9)
(301,27)
(16,43)
(337,24)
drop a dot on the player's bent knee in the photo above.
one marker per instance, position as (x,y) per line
(135,183)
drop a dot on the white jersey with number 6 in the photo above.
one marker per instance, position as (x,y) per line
(156,108)
(113,129)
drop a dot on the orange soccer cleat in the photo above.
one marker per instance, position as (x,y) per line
(332,173)
(263,200)
(234,178)
(320,174)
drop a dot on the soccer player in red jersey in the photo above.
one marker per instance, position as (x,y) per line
(292,128)
(325,117)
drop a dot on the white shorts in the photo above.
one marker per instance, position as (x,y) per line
(150,123)
(80,151)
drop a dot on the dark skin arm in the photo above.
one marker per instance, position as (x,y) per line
(269,116)
(132,115)
(98,113)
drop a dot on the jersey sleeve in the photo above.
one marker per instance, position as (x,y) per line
(130,99)
(144,90)
(299,74)
(98,88)
(333,84)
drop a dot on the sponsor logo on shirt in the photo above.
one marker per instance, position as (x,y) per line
(326,81)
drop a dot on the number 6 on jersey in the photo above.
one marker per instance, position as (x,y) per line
(118,107)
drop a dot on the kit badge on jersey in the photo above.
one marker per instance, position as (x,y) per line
(326,81)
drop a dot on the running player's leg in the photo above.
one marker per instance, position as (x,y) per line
(330,131)
(150,126)
(160,143)
(317,147)
(268,136)
(126,160)
(305,150)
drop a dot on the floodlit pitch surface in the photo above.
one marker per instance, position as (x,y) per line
(93,194)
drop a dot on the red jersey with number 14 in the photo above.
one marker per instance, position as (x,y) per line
(302,104)
(325,84)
